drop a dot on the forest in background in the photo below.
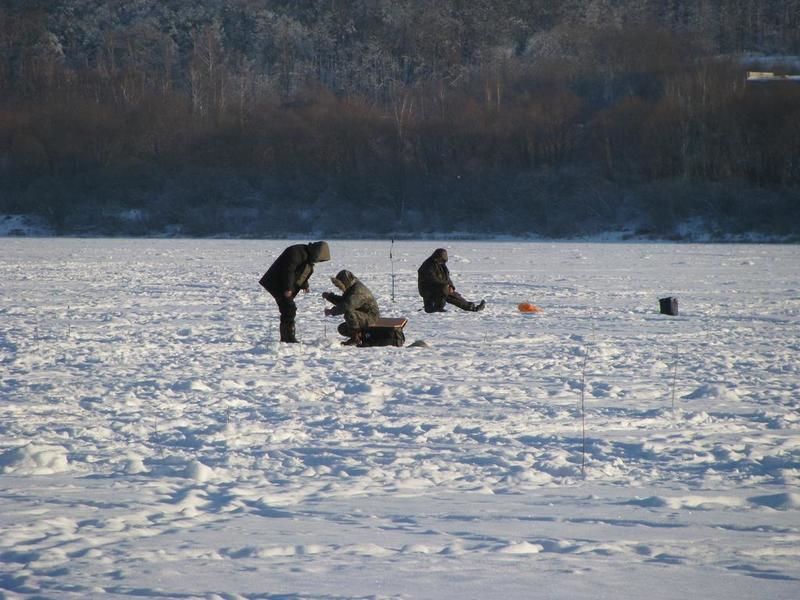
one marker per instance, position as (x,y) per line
(352,118)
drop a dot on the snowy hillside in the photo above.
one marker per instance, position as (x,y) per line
(158,442)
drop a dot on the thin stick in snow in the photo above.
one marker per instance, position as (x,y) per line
(391,260)
(674,377)
(583,412)
(583,399)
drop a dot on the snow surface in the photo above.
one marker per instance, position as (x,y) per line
(156,441)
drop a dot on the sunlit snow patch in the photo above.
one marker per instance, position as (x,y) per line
(34,460)
(712,390)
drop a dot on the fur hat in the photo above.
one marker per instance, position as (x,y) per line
(343,279)
(319,252)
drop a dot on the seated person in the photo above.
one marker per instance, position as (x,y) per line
(436,287)
(356,303)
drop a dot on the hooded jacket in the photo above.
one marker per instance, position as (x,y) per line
(357,303)
(433,276)
(293,267)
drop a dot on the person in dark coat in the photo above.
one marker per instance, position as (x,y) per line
(287,276)
(436,287)
(356,303)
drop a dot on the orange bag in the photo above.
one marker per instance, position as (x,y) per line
(527,307)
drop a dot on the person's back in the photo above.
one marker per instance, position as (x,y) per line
(293,267)
(360,299)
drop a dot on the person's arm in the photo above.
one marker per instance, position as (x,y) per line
(336,300)
(305,271)
(297,258)
(348,302)
(440,279)
(446,278)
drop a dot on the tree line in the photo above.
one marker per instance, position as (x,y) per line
(368,117)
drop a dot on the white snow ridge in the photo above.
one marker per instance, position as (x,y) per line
(34,459)
(157,441)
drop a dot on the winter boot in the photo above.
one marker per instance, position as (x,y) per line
(459,301)
(288,333)
(355,340)
(479,307)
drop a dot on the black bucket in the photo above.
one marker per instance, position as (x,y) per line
(669,305)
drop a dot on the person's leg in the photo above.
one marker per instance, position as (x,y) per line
(288,311)
(354,325)
(458,300)
(345,330)
(352,334)
(433,305)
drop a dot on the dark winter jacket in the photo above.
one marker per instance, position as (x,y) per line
(293,267)
(433,276)
(357,303)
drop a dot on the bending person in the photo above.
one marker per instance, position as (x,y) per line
(436,287)
(287,276)
(356,303)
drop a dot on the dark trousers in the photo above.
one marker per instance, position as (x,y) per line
(347,331)
(354,323)
(436,304)
(288,309)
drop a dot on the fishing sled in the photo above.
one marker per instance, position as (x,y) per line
(385,332)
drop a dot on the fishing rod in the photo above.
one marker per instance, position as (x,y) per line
(391,260)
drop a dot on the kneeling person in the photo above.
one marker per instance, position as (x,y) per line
(436,287)
(356,303)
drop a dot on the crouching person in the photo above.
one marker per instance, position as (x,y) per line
(356,303)
(436,287)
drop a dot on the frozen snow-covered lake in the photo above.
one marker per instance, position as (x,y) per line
(157,441)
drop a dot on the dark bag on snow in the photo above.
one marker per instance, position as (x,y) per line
(668,306)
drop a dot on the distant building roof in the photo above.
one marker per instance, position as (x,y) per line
(767,77)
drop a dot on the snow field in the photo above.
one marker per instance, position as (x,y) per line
(158,441)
